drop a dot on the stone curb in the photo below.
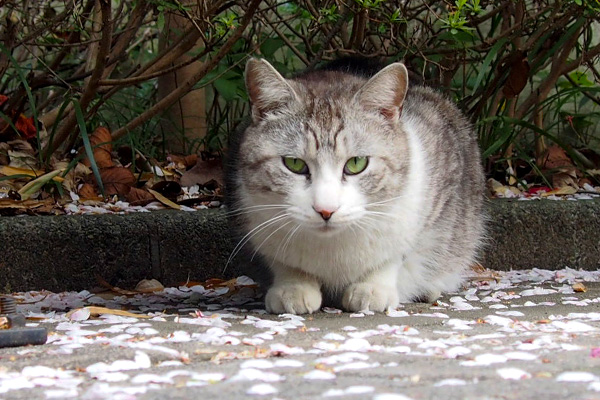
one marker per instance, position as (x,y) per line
(60,253)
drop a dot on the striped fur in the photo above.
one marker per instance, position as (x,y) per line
(405,228)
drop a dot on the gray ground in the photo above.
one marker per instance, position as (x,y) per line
(526,335)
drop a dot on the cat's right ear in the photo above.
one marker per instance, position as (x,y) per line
(385,92)
(267,89)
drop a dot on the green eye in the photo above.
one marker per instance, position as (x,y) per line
(356,165)
(296,165)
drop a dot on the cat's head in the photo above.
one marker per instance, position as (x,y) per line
(326,148)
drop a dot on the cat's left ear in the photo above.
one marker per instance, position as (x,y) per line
(268,90)
(385,92)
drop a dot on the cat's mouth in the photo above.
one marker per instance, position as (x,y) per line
(326,228)
(329,228)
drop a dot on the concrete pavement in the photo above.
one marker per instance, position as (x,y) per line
(531,334)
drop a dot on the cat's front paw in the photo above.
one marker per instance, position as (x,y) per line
(369,296)
(293,298)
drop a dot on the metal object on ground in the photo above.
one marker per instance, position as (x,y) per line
(13,332)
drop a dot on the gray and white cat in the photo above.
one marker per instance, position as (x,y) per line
(364,191)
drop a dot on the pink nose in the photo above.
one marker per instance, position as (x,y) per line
(325,214)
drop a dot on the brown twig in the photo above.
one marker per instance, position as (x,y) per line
(583,91)
(582,59)
(289,44)
(133,25)
(558,68)
(69,125)
(187,85)
(138,79)
(334,31)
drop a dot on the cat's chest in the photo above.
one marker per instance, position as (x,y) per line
(339,259)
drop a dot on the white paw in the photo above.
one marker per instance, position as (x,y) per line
(293,298)
(370,296)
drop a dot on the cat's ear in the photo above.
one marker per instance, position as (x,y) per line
(385,92)
(267,89)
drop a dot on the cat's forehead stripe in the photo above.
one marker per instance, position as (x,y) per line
(341,127)
(324,121)
(309,129)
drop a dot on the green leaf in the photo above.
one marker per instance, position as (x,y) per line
(581,79)
(487,61)
(15,176)
(36,184)
(270,46)
(87,145)
(558,45)
(227,88)
(504,137)
(160,21)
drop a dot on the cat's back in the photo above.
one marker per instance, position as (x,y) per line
(447,137)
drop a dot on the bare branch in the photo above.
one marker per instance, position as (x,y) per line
(69,125)
(187,85)
(548,83)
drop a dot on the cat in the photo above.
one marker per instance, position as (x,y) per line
(365,191)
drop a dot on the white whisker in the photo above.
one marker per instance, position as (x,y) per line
(267,238)
(286,242)
(253,232)
(390,215)
(384,202)
(250,209)
(368,223)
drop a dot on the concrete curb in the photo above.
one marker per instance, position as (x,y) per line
(67,252)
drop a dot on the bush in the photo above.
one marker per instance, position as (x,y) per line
(525,71)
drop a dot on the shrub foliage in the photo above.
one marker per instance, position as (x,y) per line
(525,71)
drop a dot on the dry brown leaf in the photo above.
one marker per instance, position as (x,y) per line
(87,191)
(25,204)
(6,170)
(579,287)
(183,162)
(21,159)
(501,190)
(203,172)
(144,176)
(101,142)
(169,189)
(564,179)
(228,355)
(139,197)
(555,157)
(518,75)
(190,160)
(115,289)
(478,268)
(560,192)
(95,311)
(4,147)
(149,286)
(117,180)
(164,200)
(74,176)
(190,283)
(22,146)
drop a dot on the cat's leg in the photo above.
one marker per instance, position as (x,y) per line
(426,275)
(377,291)
(293,292)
